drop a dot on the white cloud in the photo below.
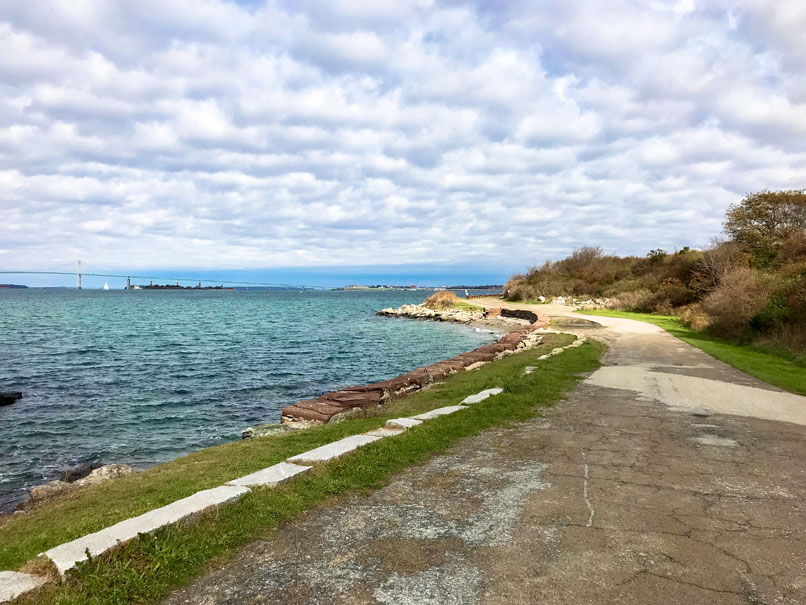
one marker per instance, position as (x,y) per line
(224,135)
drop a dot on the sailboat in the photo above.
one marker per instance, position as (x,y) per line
(106,286)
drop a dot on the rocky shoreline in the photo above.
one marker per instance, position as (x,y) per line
(353,402)
(423,312)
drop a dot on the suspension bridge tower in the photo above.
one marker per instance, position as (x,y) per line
(78,282)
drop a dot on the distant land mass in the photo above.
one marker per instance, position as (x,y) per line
(428,288)
(11,286)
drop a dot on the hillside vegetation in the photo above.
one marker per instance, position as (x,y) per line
(748,287)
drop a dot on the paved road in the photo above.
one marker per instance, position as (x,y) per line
(666,477)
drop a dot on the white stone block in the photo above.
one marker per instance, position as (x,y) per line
(384,432)
(482,395)
(477,365)
(402,423)
(67,555)
(439,412)
(542,357)
(14,584)
(335,449)
(271,476)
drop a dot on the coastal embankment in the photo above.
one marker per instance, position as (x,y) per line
(351,402)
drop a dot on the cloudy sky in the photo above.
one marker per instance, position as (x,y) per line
(482,137)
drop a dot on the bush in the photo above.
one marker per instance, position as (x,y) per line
(719,259)
(793,249)
(441,300)
(670,296)
(774,315)
(741,294)
(695,317)
(632,301)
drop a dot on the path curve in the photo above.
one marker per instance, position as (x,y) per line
(649,361)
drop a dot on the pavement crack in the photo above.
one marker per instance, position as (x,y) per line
(591,512)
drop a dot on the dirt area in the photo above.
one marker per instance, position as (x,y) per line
(642,494)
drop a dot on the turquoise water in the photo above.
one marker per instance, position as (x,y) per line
(141,377)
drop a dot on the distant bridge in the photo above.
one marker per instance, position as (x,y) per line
(79,274)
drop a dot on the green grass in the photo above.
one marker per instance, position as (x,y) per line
(773,369)
(146,569)
(466,306)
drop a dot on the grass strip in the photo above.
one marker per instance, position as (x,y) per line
(773,369)
(147,569)
(466,306)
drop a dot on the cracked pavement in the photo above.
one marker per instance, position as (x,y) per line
(639,488)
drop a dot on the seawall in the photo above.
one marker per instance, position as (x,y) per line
(353,401)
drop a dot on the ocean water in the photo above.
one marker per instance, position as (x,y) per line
(142,377)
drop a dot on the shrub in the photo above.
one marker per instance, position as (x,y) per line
(632,301)
(695,317)
(793,248)
(671,295)
(584,263)
(741,294)
(774,314)
(721,258)
(441,300)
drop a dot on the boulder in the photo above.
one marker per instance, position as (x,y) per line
(477,365)
(297,424)
(96,476)
(520,314)
(104,473)
(48,490)
(397,385)
(9,397)
(79,472)
(265,430)
(320,407)
(421,377)
(347,415)
(295,413)
(366,398)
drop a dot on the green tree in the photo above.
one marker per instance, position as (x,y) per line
(762,221)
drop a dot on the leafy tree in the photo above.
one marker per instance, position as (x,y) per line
(763,221)
(656,255)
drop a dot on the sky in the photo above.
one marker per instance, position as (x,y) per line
(437,139)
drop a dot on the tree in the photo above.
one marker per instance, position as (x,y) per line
(762,221)
(582,262)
